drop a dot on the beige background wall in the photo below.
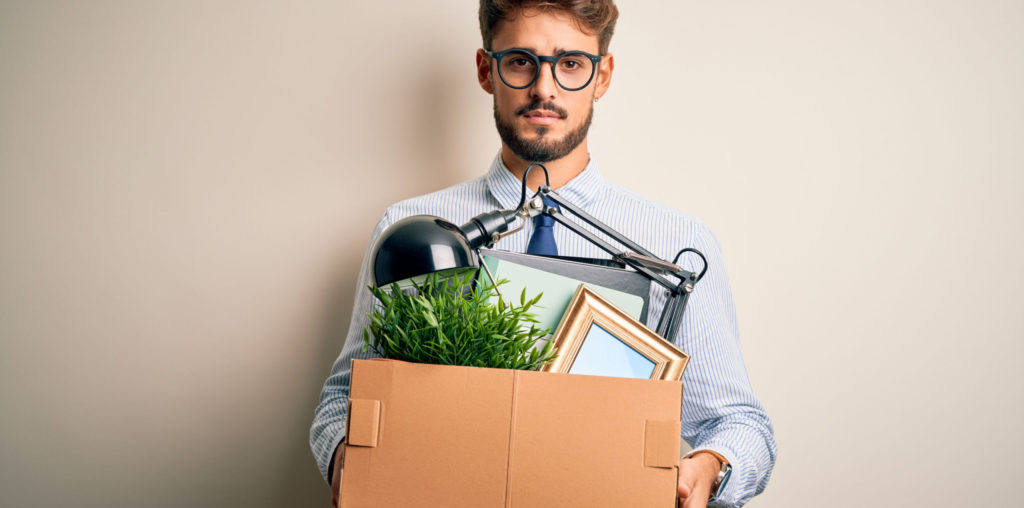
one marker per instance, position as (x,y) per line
(187,188)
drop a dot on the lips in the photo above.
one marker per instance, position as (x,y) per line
(541,113)
(541,117)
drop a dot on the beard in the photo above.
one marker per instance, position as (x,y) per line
(541,149)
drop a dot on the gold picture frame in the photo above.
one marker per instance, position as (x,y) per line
(589,325)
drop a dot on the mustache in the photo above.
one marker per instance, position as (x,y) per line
(547,106)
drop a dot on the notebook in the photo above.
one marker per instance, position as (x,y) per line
(558,279)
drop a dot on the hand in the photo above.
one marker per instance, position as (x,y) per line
(339,464)
(696,474)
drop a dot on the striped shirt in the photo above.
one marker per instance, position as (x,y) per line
(720,411)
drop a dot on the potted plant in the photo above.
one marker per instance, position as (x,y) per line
(456,320)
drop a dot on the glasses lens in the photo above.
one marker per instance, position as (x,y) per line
(573,71)
(518,68)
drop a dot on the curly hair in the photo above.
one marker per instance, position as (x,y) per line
(595,17)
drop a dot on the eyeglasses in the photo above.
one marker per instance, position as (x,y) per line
(519,68)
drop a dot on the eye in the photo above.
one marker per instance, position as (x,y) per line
(519,62)
(571,64)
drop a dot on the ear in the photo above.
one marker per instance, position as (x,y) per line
(604,75)
(483,71)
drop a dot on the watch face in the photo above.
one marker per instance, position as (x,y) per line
(725,480)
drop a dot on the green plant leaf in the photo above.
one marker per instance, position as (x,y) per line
(461,321)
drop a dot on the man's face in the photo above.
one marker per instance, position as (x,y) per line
(542,122)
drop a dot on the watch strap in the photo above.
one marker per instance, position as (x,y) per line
(717,455)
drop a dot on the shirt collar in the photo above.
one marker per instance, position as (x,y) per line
(507,189)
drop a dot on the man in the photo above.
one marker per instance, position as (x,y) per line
(546,64)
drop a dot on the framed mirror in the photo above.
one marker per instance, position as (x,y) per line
(596,338)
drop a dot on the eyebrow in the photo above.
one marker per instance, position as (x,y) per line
(558,51)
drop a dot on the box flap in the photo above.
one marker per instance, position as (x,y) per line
(442,437)
(363,422)
(661,443)
(581,441)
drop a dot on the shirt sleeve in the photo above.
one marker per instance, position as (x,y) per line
(720,411)
(331,415)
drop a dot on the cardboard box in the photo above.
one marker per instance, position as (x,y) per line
(441,436)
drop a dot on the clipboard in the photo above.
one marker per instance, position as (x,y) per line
(597,276)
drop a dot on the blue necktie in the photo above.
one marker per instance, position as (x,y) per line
(542,242)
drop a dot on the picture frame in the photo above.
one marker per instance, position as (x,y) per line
(594,337)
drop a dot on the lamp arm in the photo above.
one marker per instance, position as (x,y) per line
(679,294)
(602,227)
(609,248)
(672,316)
(615,235)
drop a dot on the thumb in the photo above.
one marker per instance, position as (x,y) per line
(336,488)
(684,487)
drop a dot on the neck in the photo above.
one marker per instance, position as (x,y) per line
(560,171)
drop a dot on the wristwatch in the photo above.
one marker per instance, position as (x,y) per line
(718,486)
(721,480)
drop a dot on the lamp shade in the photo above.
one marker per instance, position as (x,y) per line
(419,245)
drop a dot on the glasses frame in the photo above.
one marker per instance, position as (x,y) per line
(553,60)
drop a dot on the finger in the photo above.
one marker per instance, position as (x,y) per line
(683,488)
(692,488)
(687,479)
(336,488)
(338,467)
(699,496)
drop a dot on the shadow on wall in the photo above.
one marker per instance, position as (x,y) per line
(421,135)
(430,145)
(301,483)
(434,126)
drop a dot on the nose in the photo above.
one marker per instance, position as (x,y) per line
(545,87)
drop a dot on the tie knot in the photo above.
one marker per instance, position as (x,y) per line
(542,242)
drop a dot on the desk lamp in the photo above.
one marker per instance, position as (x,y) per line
(423,244)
